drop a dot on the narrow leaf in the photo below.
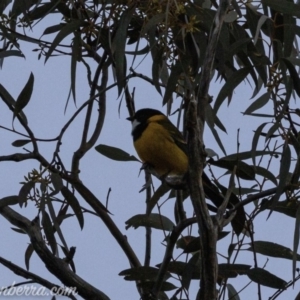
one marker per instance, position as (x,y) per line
(266,174)
(141,273)
(3,5)
(283,174)
(285,7)
(272,249)
(56,181)
(25,95)
(74,203)
(48,230)
(28,254)
(156,221)
(115,153)
(243,171)
(232,270)
(119,43)
(64,32)
(230,85)
(20,143)
(9,200)
(74,59)
(258,103)
(54,28)
(248,155)
(255,142)
(296,242)
(293,73)
(176,70)
(11,53)
(265,278)
(232,293)
(24,191)
(10,101)
(148,285)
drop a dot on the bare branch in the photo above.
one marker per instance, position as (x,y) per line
(35,278)
(85,145)
(195,128)
(57,266)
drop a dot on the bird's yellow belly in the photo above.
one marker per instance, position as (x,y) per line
(156,148)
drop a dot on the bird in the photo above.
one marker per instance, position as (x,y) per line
(158,143)
(163,151)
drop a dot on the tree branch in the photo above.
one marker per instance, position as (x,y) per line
(195,127)
(35,278)
(57,266)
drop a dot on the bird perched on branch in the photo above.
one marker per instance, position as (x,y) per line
(163,150)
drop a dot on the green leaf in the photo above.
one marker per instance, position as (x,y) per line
(193,245)
(48,229)
(54,28)
(266,174)
(265,278)
(119,44)
(232,270)
(243,171)
(9,200)
(258,103)
(156,221)
(115,153)
(283,174)
(289,34)
(57,182)
(20,143)
(74,203)
(293,73)
(156,67)
(24,191)
(158,194)
(10,101)
(255,141)
(8,53)
(28,254)
(3,5)
(287,207)
(176,70)
(274,128)
(247,155)
(232,293)
(228,88)
(179,267)
(56,227)
(285,7)
(147,286)
(192,267)
(217,139)
(41,11)
(186,240)
(212,119)
(74,58)
(24,96)
(272,249)
(142,274)
(64,32)
(20,7)
(296,242)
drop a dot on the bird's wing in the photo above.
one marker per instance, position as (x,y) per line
(175,134)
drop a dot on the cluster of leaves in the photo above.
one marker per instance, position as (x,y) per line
(256,43)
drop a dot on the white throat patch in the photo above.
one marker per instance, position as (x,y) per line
(134,124)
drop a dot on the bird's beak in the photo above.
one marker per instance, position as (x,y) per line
(129,119)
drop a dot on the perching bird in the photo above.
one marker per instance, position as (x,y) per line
(161,147)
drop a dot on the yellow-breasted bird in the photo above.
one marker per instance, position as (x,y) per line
(161,147)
